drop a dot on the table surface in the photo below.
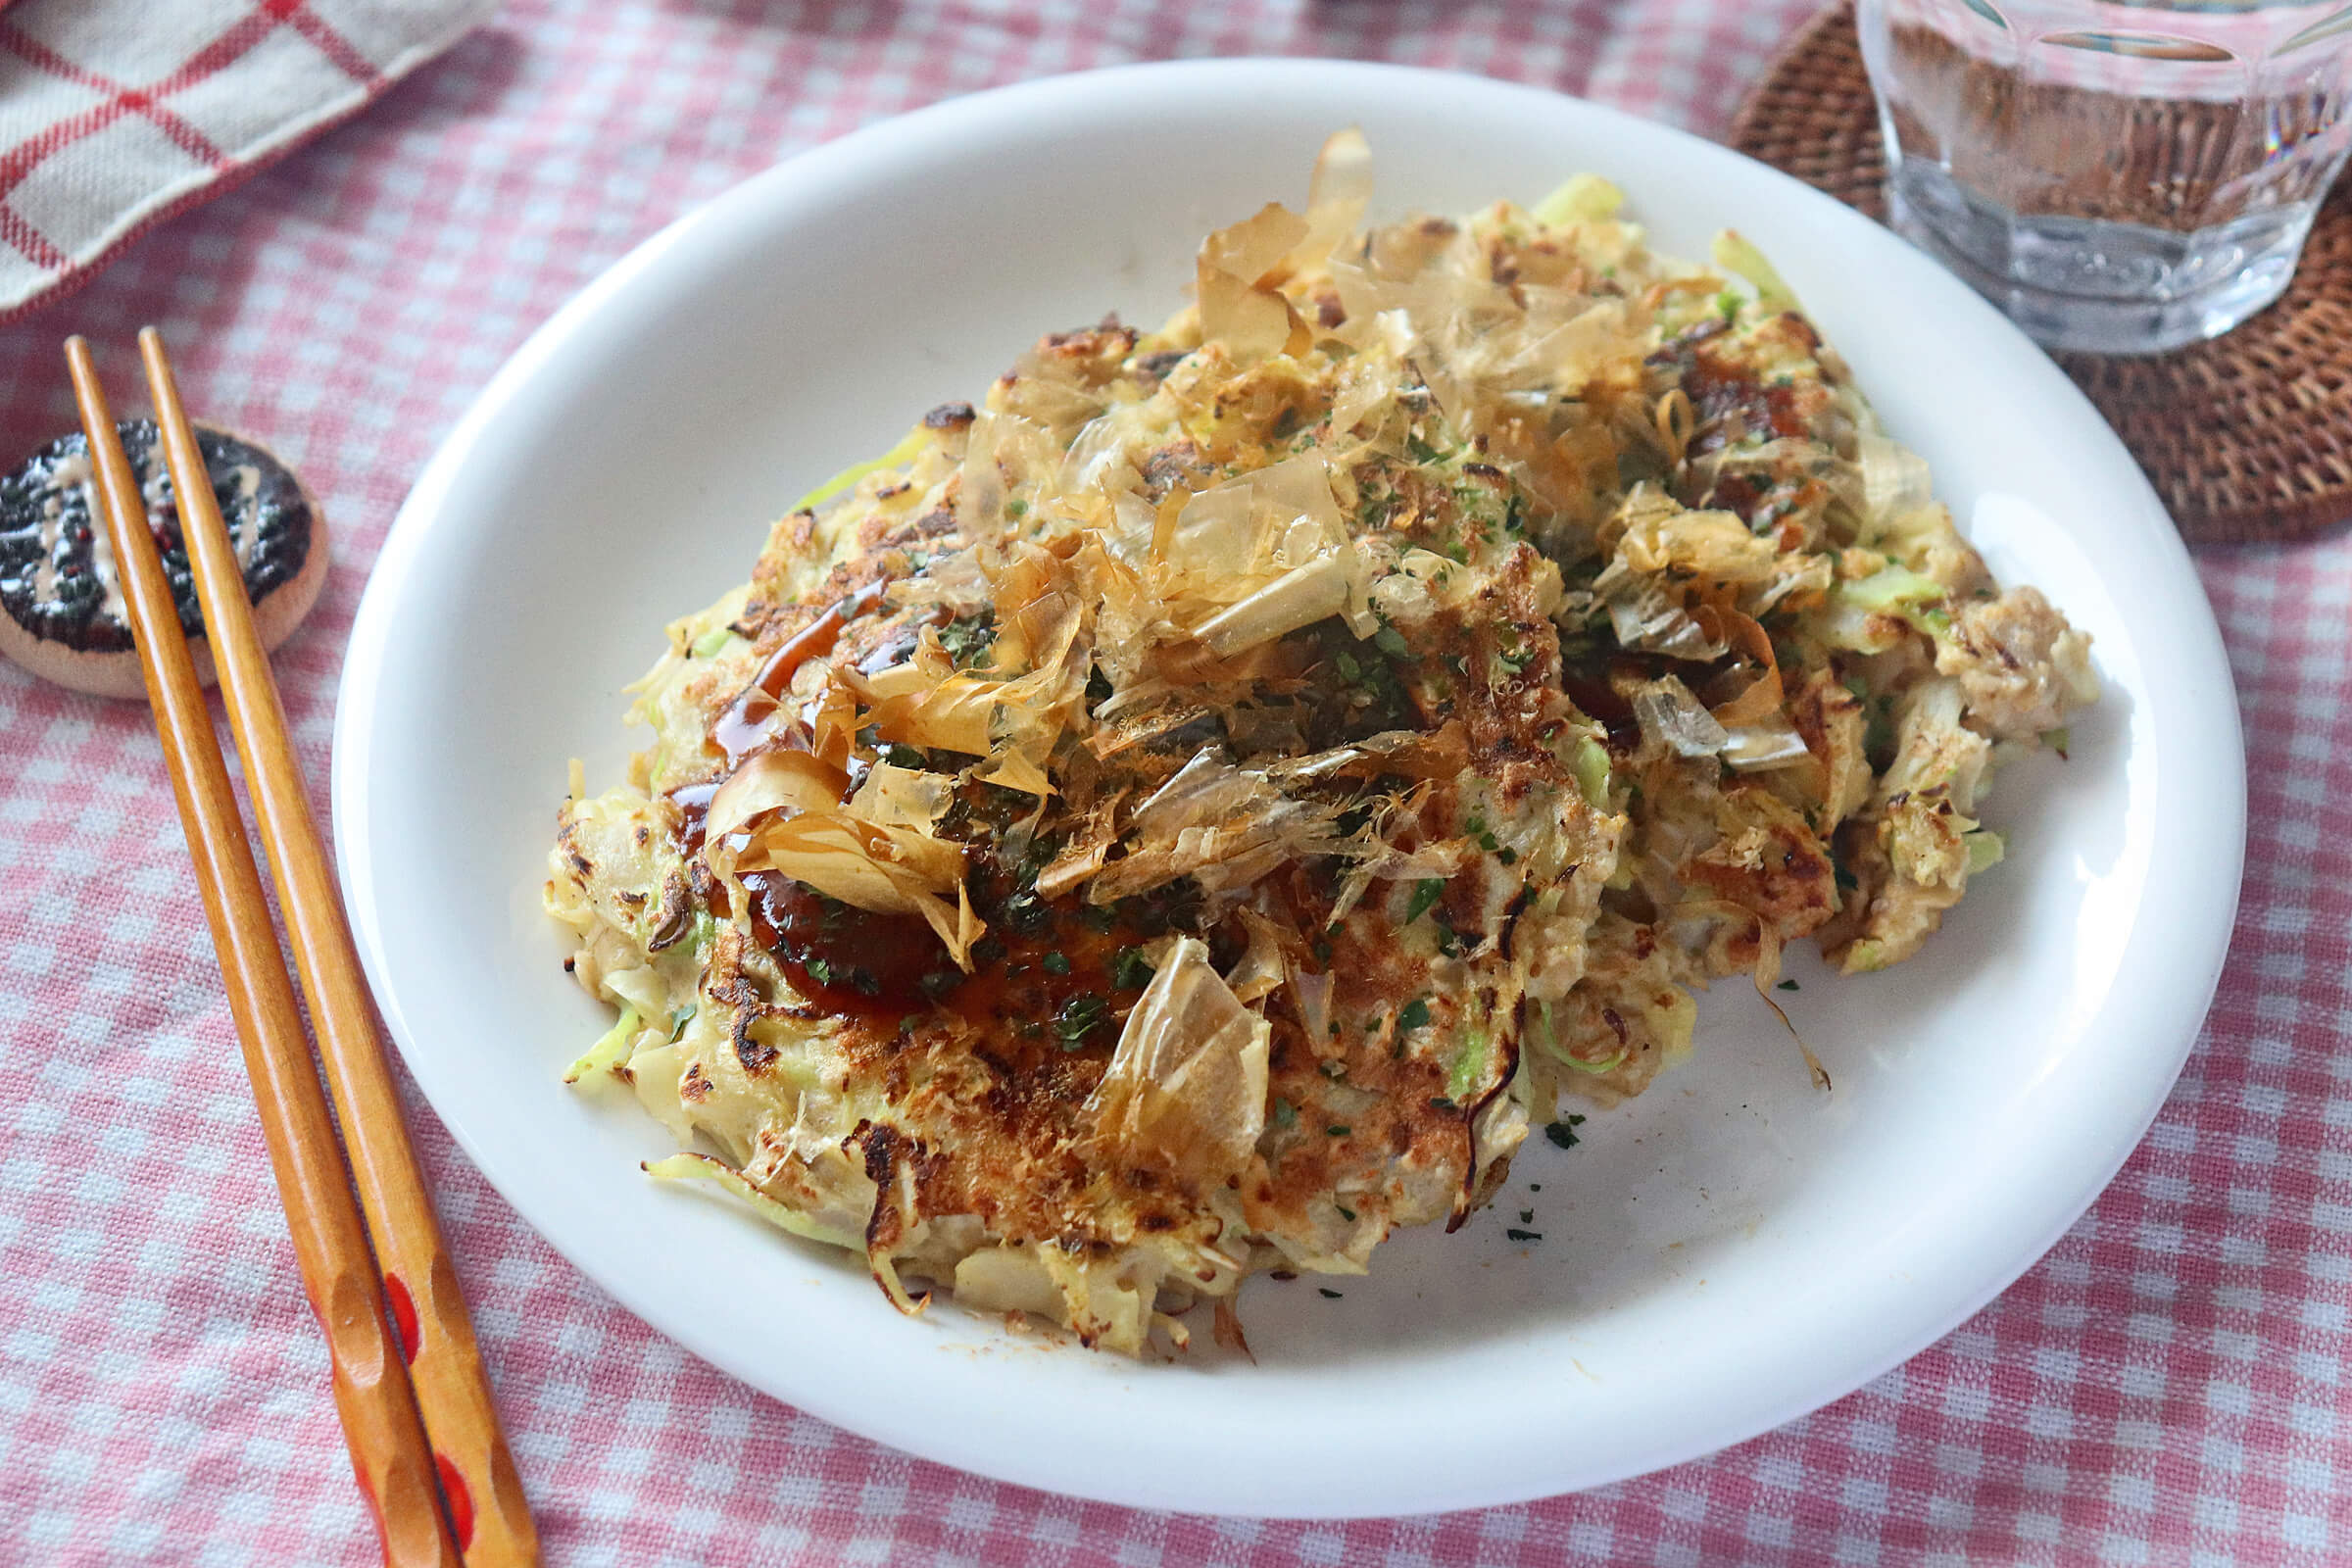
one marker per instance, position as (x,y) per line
(2166,1386)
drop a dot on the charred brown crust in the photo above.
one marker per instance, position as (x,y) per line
(756,1055)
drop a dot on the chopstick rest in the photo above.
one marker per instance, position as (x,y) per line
(62,588)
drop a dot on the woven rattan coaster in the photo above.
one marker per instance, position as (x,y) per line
(2247,437)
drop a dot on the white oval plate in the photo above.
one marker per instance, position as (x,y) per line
(1727,1253)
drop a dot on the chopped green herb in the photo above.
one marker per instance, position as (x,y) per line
(1390,641)
(1026,914)
(1016,508)
(1349,669)
(1426,893)
(1527,1217)
(1079,1018)
(1285,1114)
(1415,1014)
(1787,984)
(1132,971)
(1562,1134)
(966,640)
(818,970)
(1336,1130)
(1329,1291)
(1346,1213)
(1055,963)
(1444,1102)
(1043,848)
(1518,1235)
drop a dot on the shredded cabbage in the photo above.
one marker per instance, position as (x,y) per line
(1591,766)
(1986,850)
(692,1167)
(906,449)
(610,1050)
(1890,588)
(1581,198)
(1738,255)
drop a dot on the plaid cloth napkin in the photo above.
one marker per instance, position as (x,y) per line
(117,114)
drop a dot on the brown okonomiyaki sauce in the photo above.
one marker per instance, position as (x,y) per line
(1060,971)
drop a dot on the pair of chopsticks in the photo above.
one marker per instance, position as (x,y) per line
(434,1369)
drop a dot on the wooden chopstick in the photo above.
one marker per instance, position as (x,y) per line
(486,1502)
(372,1392)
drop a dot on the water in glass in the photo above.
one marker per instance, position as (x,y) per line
(2119,177)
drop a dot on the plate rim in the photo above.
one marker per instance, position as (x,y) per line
(370,642)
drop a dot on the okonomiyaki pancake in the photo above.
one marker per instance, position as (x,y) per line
(1194,809)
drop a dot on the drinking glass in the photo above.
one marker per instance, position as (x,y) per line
(2119,177)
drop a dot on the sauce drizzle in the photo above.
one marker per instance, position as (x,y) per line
(745,726)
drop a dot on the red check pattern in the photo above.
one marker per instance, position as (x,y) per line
(2168,1387)
(115,115)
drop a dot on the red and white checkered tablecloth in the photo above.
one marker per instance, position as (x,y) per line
(2168,1387)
